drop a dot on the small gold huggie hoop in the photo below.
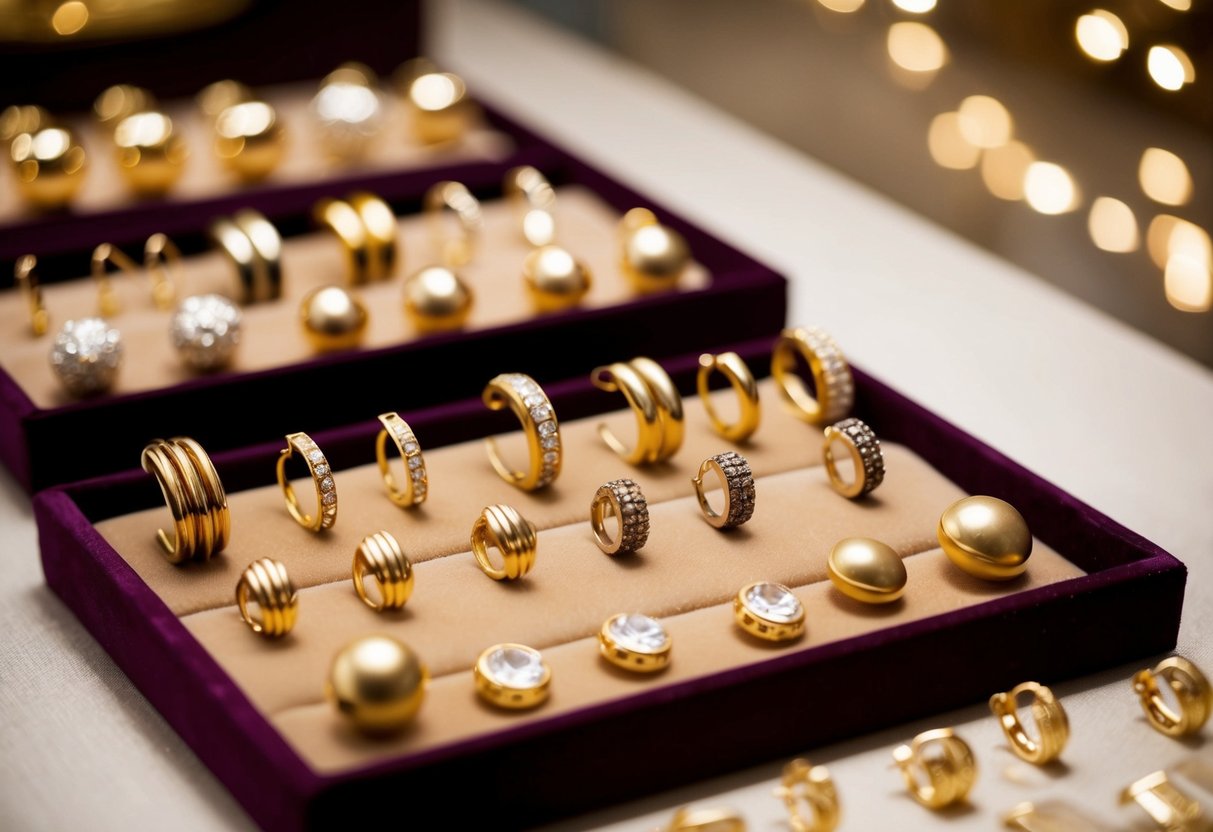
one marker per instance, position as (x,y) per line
(1191,690)
(733,368)
(513,535)
(945,759)
(25,274)
(162,262)
(380,558)
(457,250)
(1047,712)
(103,256)
(811,785)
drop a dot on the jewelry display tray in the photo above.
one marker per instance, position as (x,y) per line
(664,730)
(339,388)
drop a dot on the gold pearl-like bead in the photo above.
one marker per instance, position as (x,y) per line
(119,101)
(986,537)
(436,300)
(867,570)
(440,106)
(377,683)
(654,256)
(250,139)
(151,155)
(333,319)
(50,166)
(555,279)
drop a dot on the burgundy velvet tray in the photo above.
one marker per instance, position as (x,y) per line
(674,733)
(214,408)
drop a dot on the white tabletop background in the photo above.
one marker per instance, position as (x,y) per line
(1097,408)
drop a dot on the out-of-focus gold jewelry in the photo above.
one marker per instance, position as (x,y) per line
(266,583)
(733,471)
(436,298)
(832,381)
(1190,688)
(1168,806)
(947,763)
(654,399)
(348,110)
(417,482)
(151,153)
(25,274)
(526,399)
(514,536)
(654,257)
(249,137)
(810,785)
(322,478)
(380,558)
(50,165)
(867,460)
(367,229)
(108,304)
(554,278)
(333,319)
(254,247)
(202,522)
(733,368)
(1052,724)
(439,107)
(706,819)
(120,101)
(457,249)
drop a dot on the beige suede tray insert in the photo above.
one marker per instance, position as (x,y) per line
(304,159)
(272,336)
(686,575)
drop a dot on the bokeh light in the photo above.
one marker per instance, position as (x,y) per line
(1049,188)
(1102,35)
(1164,177)
(1003,169)
(948,145)
(1112,225)
(1170,67)
(984,121)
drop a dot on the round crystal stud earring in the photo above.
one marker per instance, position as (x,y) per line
(206,331)
(86,356)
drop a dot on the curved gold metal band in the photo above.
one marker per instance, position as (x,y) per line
(105,255)
(733,368)
(454,250)
(812,786)
(535,199)
(366,228)
(622,499)
(1191,690)
(513,535)
(322,478)
(194,495)
(161,258)
(950,768)
(835,388)
(266,583)
(656,402)
(737,478)
(416,483)
(25,275)
(863,448)
(254,247)
(531,405)
(1051,723)
(380,557)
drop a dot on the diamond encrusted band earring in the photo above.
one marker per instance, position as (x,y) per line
(322,477)
(622,499)
(417,483)
(831,375)
(863,447)
(531,405)
(734,473)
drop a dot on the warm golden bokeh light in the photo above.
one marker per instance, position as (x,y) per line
(1189,284)
(1168,236)
(916,47)
(1112,225)
(842,6)
(949,148)
(1170,67)
(915,6)
(70,18)
(1178,5)
(984,121)
(1164,177)
(1049,188)
(1003,169)
(1102,35)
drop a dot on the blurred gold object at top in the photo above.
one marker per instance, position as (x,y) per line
(438,103)
(35,21)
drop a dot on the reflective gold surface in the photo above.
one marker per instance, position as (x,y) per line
(333,319)
(986,537)
(654,257)
(555,279)
(150,153)
(250,139)
(436,299)
(49,164)
(867,570)
(377,683)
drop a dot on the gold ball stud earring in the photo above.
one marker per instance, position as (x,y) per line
(1190,688)
(438,104)
(512,676)
(250,139)
(151,154)
(554,278)
(986,537)
(812,786)
(266,583)
(867,570)
(1052,724)
(654,257)
(50,165)
(378,684)
(25,275)
(333,319)
(947,763)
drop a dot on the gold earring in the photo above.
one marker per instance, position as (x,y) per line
(380,557)
(832,381)
(867,461)
(513,535)
(656,402)
(104,255)
(49,161)
(653,256)
(333,319)
(733,368)
(1191,690)
(1050,717)
(554,278)
(708,819)
(202,521)
(986,537)
(151,153)
(25,275)
(945,759)
(367,230)
(512,676)
(733,471)
(254,247)
(377,683)
(436,298)
(804,783)
(266,583)
(249,137)
(534,410)
(438,103)
(348,110)
(1168,806)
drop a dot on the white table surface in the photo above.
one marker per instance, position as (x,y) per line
(1099,409)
